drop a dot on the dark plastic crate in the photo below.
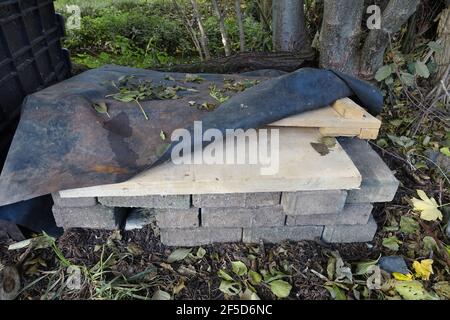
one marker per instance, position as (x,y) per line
(31,56)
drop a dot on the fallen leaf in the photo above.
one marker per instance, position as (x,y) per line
(249,295)
(408,225)
(255,277)
(280,288)
(427,207)
(161,295)
(363,267)
(412,290)
(101,108)
(330,142)
(200,253)
(230,288)
(162,135)
(224,275)
(423,269)
(402,277)
(239,268)
(442,288)
(391,243)
(429,243)
(336,292)
(178,255)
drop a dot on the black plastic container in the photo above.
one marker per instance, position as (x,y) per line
(31,56)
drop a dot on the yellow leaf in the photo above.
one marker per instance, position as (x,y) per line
(423,269)
(427,207)
(402,277)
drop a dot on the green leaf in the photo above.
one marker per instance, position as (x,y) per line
(249,295)
(178,255)
(429,243)
(239,268)
(101,108)
(230,288)
(363,267)
(161,295)
(422,69)
(200,253)
(412,290)
(408,225)
(336,292)
(255,277)
(391,243)
(225,276)
(435,46)
(280,288)
(408,79)
(383,73)
(445,151)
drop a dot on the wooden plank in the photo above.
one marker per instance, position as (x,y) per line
(349,109)
(328,117)
(300,168)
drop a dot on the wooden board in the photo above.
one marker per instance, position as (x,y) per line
(300,168)
(344,118)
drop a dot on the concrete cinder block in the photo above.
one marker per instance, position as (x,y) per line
(199,236)
(378,183)
(73,202)
(313,202)
(243,217)
(349,234)
(279,234)
(237,200)
(154,201)
(177,218)
(95,217)
(352,214)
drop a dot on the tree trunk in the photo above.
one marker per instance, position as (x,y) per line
(223,31)
(340,35)
(265,11)
(203,37)
(394,16)
(288,26)
(443,58)
(189,29)
(247,61)
(239,18)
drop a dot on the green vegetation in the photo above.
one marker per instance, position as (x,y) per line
(146,34)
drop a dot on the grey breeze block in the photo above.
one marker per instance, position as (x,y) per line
(279,234)
(153,201)
(378,183)
(95,217)
(352,214)
(243,217)
(177,218)
(349,234)
(199,236)
(73,202)
(313,202)
(241,200)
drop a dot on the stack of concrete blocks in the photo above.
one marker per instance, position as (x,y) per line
(335,216)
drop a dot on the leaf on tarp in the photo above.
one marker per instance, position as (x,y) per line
(162,135)
(101,107)
(178,255)
(161,295)
(193,78)
(239,268)
(408,225)
(427,207)
(280,288)
(412,290)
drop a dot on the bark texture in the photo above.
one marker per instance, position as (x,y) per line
(443,58)
(289,30)
(237,5)
(341,34)
(203,37)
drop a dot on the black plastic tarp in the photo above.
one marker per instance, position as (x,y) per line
(62,142)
